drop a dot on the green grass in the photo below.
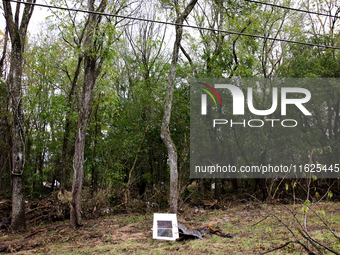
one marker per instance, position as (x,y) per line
(131,234)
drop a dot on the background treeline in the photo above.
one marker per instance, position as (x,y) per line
(124,157)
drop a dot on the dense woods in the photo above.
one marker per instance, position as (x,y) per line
(100,104)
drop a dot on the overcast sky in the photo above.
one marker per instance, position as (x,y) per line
(38,18)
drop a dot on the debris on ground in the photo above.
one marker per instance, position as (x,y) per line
(210,203)
(218,232)
(197,211)
(192,233)
(165,226)
(188,233)
(46,210)
(10,246)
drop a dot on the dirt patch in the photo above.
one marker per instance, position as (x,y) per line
(315,228)
(244,235)
(130,232)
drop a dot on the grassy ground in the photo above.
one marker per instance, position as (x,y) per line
(253,231)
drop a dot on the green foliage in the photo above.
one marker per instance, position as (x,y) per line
(127,103)
(330,194)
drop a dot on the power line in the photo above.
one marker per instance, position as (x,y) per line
(293,9)
(176,24)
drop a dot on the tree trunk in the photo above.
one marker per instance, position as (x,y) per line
(78,162)
(17,34)
(165,132)
(94,171)
(18,139)
(91,72)
(5,129)
(68,126)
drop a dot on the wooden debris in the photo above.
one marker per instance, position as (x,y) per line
(210,203)
(46,210)
(45,229)
(218,232)
(10,246)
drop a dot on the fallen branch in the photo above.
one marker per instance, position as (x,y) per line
(280,247)
(45,229)
(218,232)
(10,246)
(260,221)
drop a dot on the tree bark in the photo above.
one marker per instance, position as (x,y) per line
(68,125)
(91,72)
(17,34)
(18,143)
(165,132)
(5,129)
(78,162)
(2,60)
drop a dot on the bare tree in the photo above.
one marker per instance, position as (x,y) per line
(17,31)
(165,132)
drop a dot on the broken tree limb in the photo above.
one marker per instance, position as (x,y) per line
(218,232)
(45,229)
(260,221)
(280,247)
(10,246)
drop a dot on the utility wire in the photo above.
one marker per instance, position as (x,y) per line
(292,9)
(176,24)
